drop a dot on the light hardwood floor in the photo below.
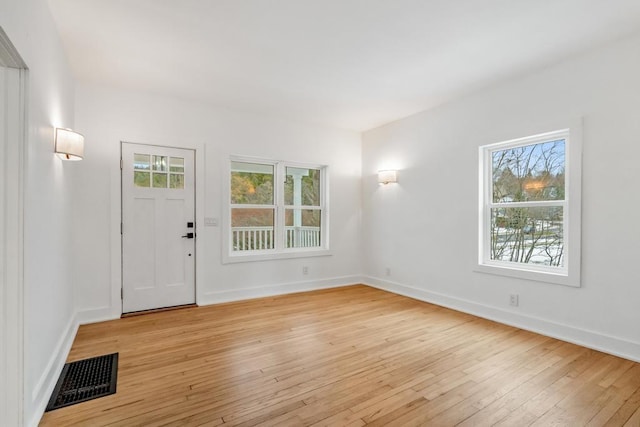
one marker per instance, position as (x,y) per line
(349,356)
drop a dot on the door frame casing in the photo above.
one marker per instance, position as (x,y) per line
(12,230)
(198,173)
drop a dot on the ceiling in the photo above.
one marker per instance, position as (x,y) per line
(353,64)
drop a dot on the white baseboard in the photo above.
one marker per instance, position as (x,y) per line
(607,344)
(45,385)
(273,290)
(103,314)
(95,315)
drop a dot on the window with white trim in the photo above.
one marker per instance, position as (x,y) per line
(276,209)
(530,207)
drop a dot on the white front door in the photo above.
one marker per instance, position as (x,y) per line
(158,227)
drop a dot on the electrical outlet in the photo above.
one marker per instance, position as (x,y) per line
(305,270)
(387,271)
(514,300)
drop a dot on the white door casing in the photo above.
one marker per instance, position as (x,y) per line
(158,203)
(3,327)
(13,81)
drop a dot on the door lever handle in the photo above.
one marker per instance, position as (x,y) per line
(188,236)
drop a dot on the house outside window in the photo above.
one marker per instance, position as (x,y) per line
(530,208)
(276,210)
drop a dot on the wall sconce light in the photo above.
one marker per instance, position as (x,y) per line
(69,145)
(387,176)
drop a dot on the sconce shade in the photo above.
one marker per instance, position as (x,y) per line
(387,176)
(69,145)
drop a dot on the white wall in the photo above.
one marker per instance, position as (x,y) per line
(108,116)
(425,227)
(48,293)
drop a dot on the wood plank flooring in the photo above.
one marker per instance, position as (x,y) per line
(350,356)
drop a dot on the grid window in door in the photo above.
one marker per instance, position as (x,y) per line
(158,171)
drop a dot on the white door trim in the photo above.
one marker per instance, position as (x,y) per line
(12,147)
(113,308)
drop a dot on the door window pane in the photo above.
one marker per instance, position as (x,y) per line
(176,172)
(141,179)
(141,162)
(141,167)
(160,163)
(176,181)
(160,180)
(176,164)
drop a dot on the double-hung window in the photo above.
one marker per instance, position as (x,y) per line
(530,208)
(276,210)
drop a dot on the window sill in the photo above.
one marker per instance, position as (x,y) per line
(559,278)
(269,256)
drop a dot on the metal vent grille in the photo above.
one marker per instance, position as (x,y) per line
(85,380)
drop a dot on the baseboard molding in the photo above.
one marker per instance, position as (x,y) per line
(103,314)
(95,315)
(594,340)
(43,389)
(273,290)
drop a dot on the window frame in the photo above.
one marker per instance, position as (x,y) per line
(569,274)
(280,251)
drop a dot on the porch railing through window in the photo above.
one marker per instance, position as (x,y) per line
(262,238)
(302,237)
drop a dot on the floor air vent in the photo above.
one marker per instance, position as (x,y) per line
(85,380)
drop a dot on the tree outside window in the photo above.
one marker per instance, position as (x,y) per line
(527,203)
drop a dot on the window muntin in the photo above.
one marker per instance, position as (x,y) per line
(276,207)
(526,204)
(151,171)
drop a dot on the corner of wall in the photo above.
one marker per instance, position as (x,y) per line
(47,381)
(594,340)
(280,289)
(95,315)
